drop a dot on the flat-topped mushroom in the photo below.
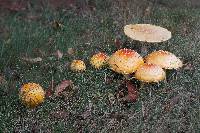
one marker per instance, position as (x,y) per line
(125,61)
(164,59)
(150,73)
(147,33)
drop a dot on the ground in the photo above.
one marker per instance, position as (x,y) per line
(78,30)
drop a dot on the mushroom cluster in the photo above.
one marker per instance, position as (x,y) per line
(155,62)
(123,61)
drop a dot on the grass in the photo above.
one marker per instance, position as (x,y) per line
(88,109)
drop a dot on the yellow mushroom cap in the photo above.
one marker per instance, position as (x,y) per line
(98,60)
(150,73)
(164,59)
(32,94)
(78,65)
(125,61)
(147,32)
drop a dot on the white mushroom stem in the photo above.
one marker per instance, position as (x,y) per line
(144,49)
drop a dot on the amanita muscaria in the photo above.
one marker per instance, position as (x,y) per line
(147,34)
(77,66)
(164,59)
(150,73)
(99,60)
(125,61)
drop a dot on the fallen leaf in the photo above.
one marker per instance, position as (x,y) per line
(171,103)
(58,54)
(32,60)
(62,86)
(132,93)
(70,51)
(188,66)
(118,43)
(48,93)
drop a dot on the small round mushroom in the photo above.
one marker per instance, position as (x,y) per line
(125,61)
(164,59)
(99,60)
(150,73)
(78,66)
(147,33)
(31,94)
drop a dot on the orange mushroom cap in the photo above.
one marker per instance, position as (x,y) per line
(78,66)
(147,33)
(150,73)
(125,61)
(99,60)
(164,59)
(32,94)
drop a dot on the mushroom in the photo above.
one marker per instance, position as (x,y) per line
(99,60)
(31,94)
(147,33)
(78,66)
(150,73)
(164,59)
(125,61)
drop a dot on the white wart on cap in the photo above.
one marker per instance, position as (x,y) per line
(150,73)
(164,59)
(125,61)
(147,33)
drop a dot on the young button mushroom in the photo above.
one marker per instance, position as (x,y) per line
(78,66)
(164,59)
(31,94)
(125,61)
(147,33)
(150,73)
(99,60)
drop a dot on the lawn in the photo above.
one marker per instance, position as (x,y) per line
(91,104)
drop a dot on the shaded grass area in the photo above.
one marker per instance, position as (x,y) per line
(89,108)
